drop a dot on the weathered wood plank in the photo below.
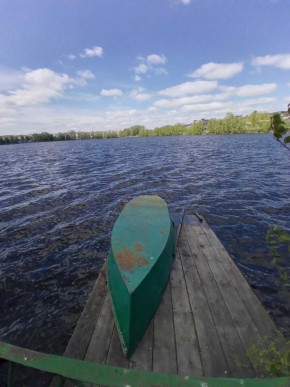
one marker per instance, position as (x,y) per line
(142,358)
(245,325)
(241,319)
(164,350)
(80,339)
(207,317)
(228,335)
(102,335)
(212,355)
(187,346)
(116,356)
(258,313)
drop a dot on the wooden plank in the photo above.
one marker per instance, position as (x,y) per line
(229,337)
(259,315)
(142,358)
(240,319)
(212,355)
(102,335)
(187,346)
(207,316)
(116,356)
(164,350)
(80,339)
(245,325)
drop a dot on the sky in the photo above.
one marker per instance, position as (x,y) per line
(90,65)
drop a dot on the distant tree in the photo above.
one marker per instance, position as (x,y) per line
(98,135)
(145,132)
(196,128)
(59,136)
(135,130)
(110,134)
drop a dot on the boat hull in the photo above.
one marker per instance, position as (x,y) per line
(139,265)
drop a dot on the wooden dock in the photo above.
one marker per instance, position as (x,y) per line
(204,325)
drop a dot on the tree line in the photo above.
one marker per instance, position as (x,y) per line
(253,123)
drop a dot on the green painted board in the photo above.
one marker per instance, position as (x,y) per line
(105,375)
(139,264)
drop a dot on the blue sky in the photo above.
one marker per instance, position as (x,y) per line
(109,64)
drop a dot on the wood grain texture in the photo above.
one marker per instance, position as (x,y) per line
(259,315)
(101,338)
(207,318)
(187,346)
(223,302)
(164,349)
(212,355)
(142,358)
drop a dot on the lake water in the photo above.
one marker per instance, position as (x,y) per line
(59,201)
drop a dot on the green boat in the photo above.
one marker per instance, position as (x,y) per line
(139,264)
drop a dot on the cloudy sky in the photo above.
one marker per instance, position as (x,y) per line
(110,64)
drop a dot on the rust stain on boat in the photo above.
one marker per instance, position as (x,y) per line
(130,259)
(162,232)
(139,248)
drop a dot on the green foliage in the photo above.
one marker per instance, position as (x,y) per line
(231,124)
(196,128)
(258,122)
(279,241)
(278,126)
(271,357)
(110,134)
(170,130)
(44,136)
(133,131)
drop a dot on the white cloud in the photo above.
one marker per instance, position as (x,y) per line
(111,92)
(185,2)
(37,86)
(214,106)
(137,78)
(256,101)
(206,106)
(142,68)
(91,52)
(250,90)
(150,64)
(85,74)
(281,61)
(176,102)
(227,92)
(156,59)
(217,70)
(71,57)
(188,88)
(140,95)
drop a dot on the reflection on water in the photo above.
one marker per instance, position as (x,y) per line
(58,203)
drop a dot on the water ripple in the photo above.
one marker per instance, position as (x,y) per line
(59,201)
